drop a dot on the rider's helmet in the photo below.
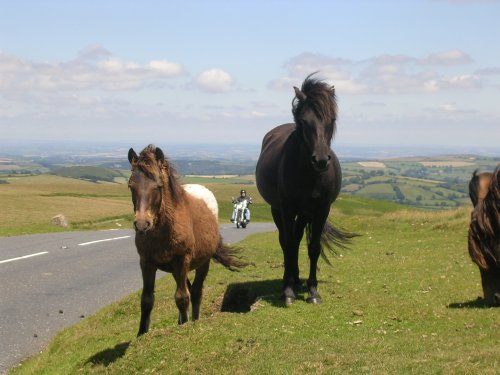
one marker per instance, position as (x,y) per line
(243,192)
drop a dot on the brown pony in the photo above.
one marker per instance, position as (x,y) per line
(484,231)
(175,232)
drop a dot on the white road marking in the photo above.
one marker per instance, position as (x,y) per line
(105,240)
(23,257)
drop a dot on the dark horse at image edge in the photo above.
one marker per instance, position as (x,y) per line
(484,232)
(176,232)
(299,175)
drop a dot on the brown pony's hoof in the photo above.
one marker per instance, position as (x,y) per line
(316,300)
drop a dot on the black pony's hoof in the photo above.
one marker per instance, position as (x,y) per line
(316,300)
(289,300)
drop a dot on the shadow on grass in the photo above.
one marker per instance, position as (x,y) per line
(478,303)
(239,297)
(108,356)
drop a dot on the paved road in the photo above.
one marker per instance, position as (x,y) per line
(51,281)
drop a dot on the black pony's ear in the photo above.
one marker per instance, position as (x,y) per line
(132,156)
(299,94)
(159,155)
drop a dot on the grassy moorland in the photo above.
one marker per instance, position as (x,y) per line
(425,182)
(402,300)
(29,202)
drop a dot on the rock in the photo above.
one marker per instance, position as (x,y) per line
(60,221)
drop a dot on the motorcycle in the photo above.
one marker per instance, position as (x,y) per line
(240,207)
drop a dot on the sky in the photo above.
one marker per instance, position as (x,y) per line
(406,73)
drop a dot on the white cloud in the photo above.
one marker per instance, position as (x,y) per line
(450,110)
(333,70)
(454,57)
(215,81)
(461,82)
(384,74)
(94,68)
(93,51)
(495,71)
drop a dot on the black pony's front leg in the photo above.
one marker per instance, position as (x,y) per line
(147,296)
(290,234)
(314,251)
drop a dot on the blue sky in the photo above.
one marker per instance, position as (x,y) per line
(407,73)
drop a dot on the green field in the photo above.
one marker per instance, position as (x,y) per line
(424,182)
(401,300)
(29,202)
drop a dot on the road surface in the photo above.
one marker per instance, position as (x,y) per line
(51,281)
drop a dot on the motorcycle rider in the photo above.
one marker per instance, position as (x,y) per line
(243,196)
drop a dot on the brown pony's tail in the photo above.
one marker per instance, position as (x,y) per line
(229,257)
(476,246)
(331,239)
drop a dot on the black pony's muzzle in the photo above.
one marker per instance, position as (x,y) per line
(320,164)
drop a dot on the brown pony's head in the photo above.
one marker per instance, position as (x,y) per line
(314,110)
(151,176)
(478,186)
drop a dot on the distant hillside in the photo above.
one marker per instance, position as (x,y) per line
(213,167)
(426,182)
(90,173)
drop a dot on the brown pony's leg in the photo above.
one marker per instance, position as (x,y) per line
(182,294)
(147,296)
(197,288)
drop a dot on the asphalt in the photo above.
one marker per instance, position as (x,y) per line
(51,281)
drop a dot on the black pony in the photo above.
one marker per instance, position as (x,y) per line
(299,176)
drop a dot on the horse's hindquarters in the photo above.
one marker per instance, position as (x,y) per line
(266,171)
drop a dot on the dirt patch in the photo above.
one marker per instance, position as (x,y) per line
(371,164)
(447,163)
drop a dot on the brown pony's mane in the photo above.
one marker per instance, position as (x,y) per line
(320,98)
(484,230)
(160,170)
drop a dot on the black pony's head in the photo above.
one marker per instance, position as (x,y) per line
(314,110)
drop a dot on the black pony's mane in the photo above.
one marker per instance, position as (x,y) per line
(320,98)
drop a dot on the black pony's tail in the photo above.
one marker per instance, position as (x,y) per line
(229,257)
(331,239)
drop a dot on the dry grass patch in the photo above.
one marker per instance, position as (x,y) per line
(447,163)
(372,164)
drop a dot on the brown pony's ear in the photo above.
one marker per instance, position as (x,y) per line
(160,157)
(132,156)
(299,94)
